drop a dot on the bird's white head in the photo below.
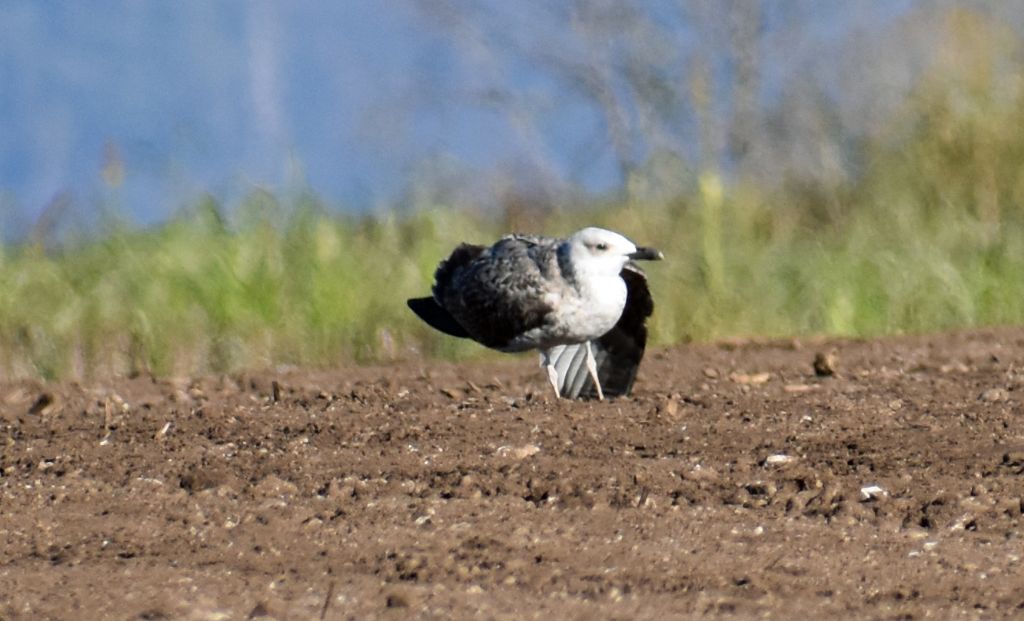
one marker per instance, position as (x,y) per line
(600,251)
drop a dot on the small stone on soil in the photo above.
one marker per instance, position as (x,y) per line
(162,433)
(825,363)
(670,407)
(517,452)
(452,393)
(42,405)
(995,395)
(872,492)
(779,458)
(750,378)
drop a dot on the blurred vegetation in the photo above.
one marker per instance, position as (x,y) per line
(927,234)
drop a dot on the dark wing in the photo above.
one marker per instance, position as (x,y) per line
(428,308)
(438,318)
(460,258)
(497,294)
(618,353)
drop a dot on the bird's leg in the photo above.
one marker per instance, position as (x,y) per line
(549,366)
(592,368)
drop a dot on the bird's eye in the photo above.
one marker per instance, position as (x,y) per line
(602,246)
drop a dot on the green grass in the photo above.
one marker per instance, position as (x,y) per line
(299,286)
(928,236)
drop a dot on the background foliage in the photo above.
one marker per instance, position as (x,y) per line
(919,229)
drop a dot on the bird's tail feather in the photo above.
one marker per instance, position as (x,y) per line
(437,317)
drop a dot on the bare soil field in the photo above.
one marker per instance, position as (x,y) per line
(735,483)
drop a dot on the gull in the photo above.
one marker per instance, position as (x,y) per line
(581,301)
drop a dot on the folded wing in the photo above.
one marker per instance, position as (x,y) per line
(436,317)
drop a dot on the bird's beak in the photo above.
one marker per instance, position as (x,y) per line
(646,254)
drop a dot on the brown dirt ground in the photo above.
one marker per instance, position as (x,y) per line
(729,486)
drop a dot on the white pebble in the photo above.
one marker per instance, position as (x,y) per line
(872,492)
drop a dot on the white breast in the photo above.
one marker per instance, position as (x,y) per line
(593,312)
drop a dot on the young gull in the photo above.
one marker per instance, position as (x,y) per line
(581,301)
